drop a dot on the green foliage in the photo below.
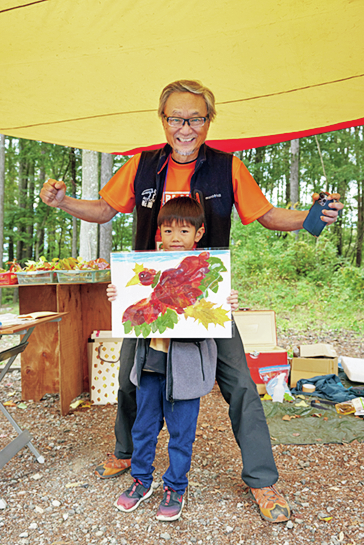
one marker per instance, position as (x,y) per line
(302,279)
(32,228)
(213,277)
(164,321)
(258,251)
(353,278)
(122,234)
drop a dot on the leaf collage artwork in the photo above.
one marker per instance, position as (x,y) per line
(165,294)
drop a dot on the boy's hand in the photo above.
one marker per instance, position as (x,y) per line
(111,292)
(233,300)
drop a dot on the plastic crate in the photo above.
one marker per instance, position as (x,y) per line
(8,278)
(37,277)
(83,276)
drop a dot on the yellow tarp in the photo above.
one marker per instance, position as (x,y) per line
(88,73)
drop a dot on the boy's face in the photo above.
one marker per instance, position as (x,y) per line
(178,237)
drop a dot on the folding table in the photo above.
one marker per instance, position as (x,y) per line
(24,437)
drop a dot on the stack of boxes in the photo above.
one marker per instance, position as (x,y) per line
(259,333)
(258,330)
(314,360)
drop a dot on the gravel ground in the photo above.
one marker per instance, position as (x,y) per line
(61,502)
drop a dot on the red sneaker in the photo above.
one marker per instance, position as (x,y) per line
(171,505)
(133,496)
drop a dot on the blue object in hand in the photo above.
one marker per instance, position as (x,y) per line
(313,223)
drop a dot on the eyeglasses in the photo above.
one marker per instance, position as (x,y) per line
(178,122)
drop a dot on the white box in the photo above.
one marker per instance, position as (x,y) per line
(354,368)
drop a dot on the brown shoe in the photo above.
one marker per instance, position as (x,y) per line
(273,507)
(113,467)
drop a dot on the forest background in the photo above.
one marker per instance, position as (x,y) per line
(311,283)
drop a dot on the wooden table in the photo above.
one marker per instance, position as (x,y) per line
(24,438)
(56,358)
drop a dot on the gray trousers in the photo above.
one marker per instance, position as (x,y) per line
(239,391)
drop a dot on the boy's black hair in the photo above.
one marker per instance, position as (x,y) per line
(181,210)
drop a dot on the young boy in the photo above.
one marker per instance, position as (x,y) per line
(181,227)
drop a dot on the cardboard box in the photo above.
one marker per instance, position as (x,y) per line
(258,330)
(104,363)
(315,360)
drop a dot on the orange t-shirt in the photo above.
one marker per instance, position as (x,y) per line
(250,202)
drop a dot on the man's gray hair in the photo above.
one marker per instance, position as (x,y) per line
(188,86)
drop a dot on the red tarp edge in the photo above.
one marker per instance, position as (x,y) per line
(238,144)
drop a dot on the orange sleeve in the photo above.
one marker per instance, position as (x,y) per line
(250,202)
(119,190)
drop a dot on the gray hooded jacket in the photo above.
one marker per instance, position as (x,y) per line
(191,367)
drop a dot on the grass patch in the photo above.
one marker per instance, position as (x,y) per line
(302,305)
(301,278)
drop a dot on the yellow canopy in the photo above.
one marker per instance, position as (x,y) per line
(88,73)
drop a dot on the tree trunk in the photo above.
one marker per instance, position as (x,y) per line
(30,205)
(360,197)
(2,197)
(287,170)
(294,175)
(39,242)
(22,199)
(73,181)
(11,249)
(90,183)
(258,160)
(360,228)
(105,246)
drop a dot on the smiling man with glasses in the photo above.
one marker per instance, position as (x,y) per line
(187,166)
(186,123)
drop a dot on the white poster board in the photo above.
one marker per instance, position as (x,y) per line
(171,294)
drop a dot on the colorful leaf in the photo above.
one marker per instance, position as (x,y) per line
(128,327)
(145,329)
(213,277)
(135,280)
(204,312)
(156,279)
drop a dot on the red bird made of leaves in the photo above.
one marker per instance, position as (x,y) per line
(176,288)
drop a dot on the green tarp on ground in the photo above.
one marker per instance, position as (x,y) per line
(307,429)
(330,427)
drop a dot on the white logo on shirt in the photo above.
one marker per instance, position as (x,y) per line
(168,195)
(149,196)
(214,196)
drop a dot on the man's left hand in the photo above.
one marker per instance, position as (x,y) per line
(330,216)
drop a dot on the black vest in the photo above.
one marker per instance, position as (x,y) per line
(212,181)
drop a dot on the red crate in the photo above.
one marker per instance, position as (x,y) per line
(8,278)
(258,331)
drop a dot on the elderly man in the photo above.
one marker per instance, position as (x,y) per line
(186,166)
